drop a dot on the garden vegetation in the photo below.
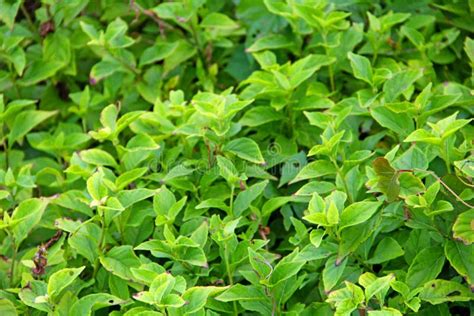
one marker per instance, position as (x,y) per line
(236,157)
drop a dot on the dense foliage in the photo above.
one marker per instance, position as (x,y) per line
(208,157)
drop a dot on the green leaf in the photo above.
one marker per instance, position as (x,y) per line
(332,272)
(386,311)
(213,203)
(163,201)
(245,148)
(315,169)
(245,198)
(85,241)
(26,216)
(108,117)
(425,267)
(218,21)
(399,83)
(441,291)
(357,213)
(306,67)
(18,58)
(285,270)
(129,176)
(346,299)
(7,308)
(57,48)
(115,34)
(8,12)
(272,41)
(260,115)
(275,203)
(414,36)
(376,286)
(316,237)
(390,19)
(119,260)
(98,157)
(183,51)
(466,166)
(184,249)
(39,71)
(29,296)
(469,48)
(197,297)
(161,288)
(177,172)
(265,59)
(361,67)
(129,197)
(157,52)
(96,188)
(282,80)
(387,249)
(352,237)
(227,170)
(171,213)
(104,69)
(332,214)
(421,135)
(400,123)
(239,292)
(463,228)
(260,264)
(319,187)
(387,178)
(88,304)
(61,279)
(25,122)
(461,258)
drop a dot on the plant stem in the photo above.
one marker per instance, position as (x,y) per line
(5,148)
(231,204)
(375,48)
(209,152)
(161,24)
(343,179)
(84,124)
(102,236)
(331,73)
(163,310)
(451,190)
(13,263)
(227,266)
(442,183)
(229,273)
(331,79)
(30,22)
(333,233)
(101,246)
(197,42)
(446,157)
(96,268)
(464,182)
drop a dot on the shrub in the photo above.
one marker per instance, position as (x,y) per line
(236,157)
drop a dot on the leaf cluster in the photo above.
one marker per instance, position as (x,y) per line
(208,157)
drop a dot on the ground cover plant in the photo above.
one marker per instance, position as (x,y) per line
(244,157)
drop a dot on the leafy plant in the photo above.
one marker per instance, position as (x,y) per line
(267,157)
